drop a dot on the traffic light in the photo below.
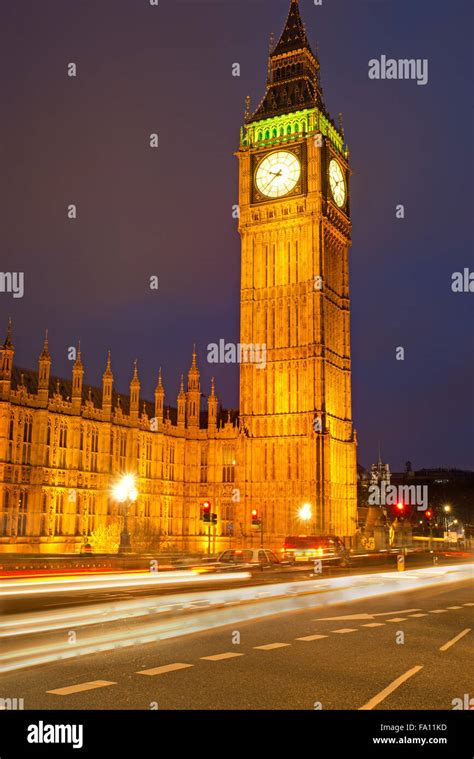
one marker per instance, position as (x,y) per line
(428,513)
(400,507)
(206,511)
(256,521)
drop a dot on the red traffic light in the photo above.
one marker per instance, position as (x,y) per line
(206,507)
(428,514)
(401,506)
(254,513)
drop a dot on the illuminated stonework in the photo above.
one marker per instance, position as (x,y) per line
(63,445)
(295,298)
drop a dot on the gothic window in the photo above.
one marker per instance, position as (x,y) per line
(267,134)
(123,450)
(5,520)
(288,129)
(26,453)
(62,446)
(259,137)
(11,433)
(22,510)
(94,449)
(59,516)
(44,514)
(148,450)
(228,468)
(204,457)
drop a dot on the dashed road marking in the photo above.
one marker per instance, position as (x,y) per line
(80,688)
(162,670)
(312,637)
(390,688)
(220,657)
(375,624)
(418,615)
(272,646)
(345,630)
(397,619)
(455,640)
(454,607)
(438,611)
(469,604)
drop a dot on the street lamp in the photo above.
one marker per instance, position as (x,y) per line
(447,510)
(125,493)
(305,513)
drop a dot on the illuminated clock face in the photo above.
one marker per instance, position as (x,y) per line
(337,183)
(278,174)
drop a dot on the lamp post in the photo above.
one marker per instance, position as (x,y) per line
(447,510)
(125,493)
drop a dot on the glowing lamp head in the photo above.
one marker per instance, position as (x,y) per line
(400,506)
(125,489)
(305,512)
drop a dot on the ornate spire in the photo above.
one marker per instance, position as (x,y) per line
(293,73)
(8,340)
(293,36)
(45,351)
(159,385)
(135,379)
(78,362)
(108,366)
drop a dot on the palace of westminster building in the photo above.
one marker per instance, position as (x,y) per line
(63,445)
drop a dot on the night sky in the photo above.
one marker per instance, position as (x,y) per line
(168,212)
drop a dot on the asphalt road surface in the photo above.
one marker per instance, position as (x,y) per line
(408,650)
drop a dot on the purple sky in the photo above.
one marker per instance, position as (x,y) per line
(168,212)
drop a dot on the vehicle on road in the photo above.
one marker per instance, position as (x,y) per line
(309,548)
(250,559)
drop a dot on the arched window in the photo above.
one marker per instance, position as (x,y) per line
(267,134)
(288,129)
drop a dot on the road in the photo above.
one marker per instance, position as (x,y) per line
(361,564)
(346,656)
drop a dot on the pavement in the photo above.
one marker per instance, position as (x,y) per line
(407,650)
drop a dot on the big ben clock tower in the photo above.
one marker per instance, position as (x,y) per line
(295,407)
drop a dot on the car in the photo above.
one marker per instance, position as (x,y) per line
(309,548)
(250,559)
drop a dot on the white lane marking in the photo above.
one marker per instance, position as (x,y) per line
(455,640)
(164,669)
(390,688)
(312,637)
(375,624)
(219,657)
(438,611)
(272,646)
(355,617)
(469,604)
(454,607)
(80,688)
(397,619)
(345,630)
(418,615)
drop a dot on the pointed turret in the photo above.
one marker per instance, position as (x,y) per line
(6,364)
(77,380)
(293,73)
(107,387)
(212,408)
(193,396)
(134,392)
(159,398)
(44,370)
(181,404)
